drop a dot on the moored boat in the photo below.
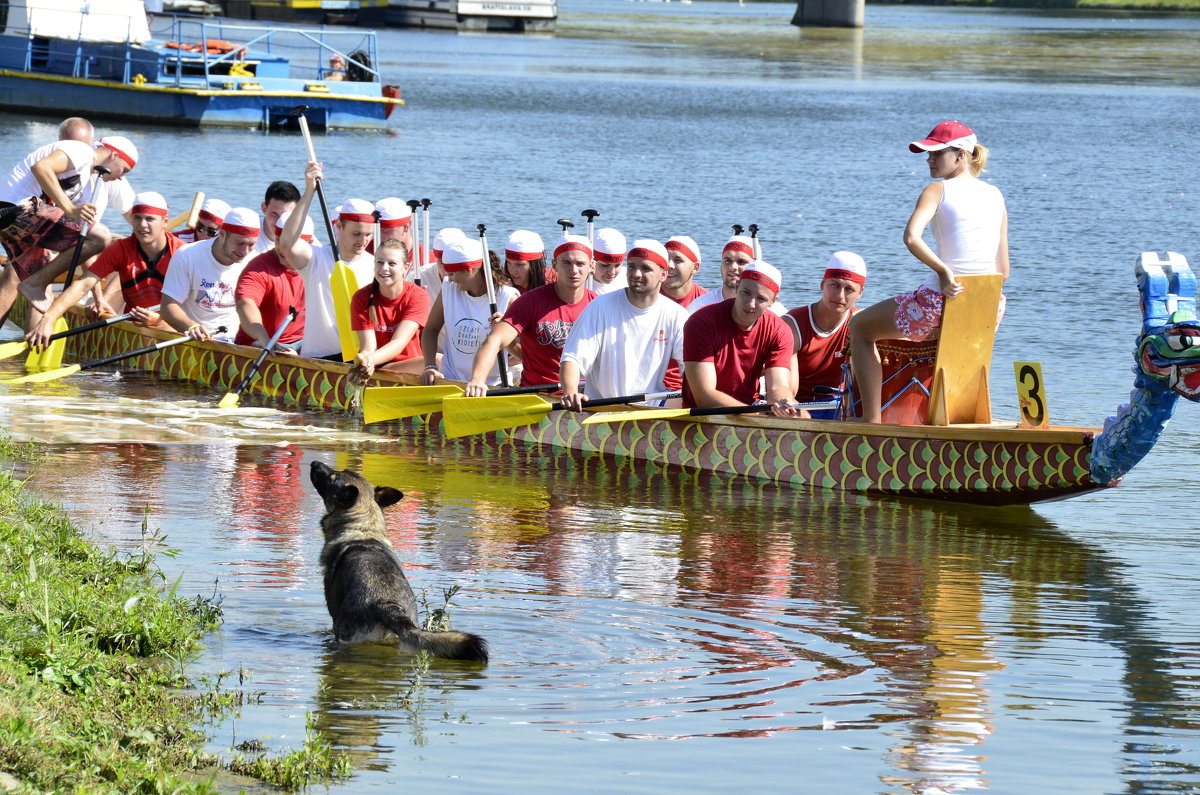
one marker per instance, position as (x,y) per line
(100,59)
(993,463)
(517,16)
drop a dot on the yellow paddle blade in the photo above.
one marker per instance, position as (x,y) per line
(628,416)
(383,403)
(467,415)
(229,401)
(11,349)
(49,375)
(50,357)
(345,285)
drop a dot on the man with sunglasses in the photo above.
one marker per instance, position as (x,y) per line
(208,222)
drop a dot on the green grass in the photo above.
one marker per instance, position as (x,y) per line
(94,644)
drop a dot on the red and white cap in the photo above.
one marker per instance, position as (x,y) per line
(214,211)
(685,246)
(650,250)
(462,254)
(846,265)
(742,243)
(944,136)
(609,246)
(572,243)
(357,210)
(241,221)
(122,147)
(524,246)
(150,203)
(444,238)
(766,275)
(306,231)
(393,212)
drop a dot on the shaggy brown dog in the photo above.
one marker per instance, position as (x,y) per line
(366,591)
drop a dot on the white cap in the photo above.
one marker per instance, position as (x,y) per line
(393,212)
(766,275)
(524,246)
(306,232)
(742,243)
(572,243)
(241,221)
(445,237)
(685,246)
(122,146)
(150,203)
(846,265)
(214,211)
(358,210)
(462,254)
(610,245)
(650,250)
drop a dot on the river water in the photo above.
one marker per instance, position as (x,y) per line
(653,629)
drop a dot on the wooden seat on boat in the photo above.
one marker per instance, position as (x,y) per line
(960,389)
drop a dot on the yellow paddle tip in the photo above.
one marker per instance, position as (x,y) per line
(229,401)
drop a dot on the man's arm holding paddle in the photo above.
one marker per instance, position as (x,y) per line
(299,250)
(39,337)
(46,172)
(702,380)
(568,376)
(501,336)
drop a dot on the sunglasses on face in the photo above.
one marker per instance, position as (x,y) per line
(208,231)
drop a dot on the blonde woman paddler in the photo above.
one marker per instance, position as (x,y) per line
(970,229)
(388,315)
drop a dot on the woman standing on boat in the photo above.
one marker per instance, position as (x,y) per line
(970,229)
(388,315)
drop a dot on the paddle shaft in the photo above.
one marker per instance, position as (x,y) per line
(425,231)
(491,294)
(755,409)
(116,357)
(523,390)
(83,232)
(617,401)
(415,241)
(312,156)
(71,332)
(265,351)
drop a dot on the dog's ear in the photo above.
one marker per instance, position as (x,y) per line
(345,495)
(386,495)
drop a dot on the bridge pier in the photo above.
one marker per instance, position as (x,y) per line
(829,13)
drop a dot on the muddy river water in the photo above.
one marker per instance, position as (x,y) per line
(657,630)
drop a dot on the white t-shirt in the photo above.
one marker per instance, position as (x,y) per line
(117,194)
(204,287)
(624,350)
(431,280)
(600,288)
(320,320)
(466,326)
(716,297)
(21,183)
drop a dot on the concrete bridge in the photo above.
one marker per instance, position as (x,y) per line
(829,13)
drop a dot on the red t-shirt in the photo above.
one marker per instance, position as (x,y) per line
(543,321)
(690,296)
(740,356)
(141,283)
(819,358)
(412,304)
(274,288)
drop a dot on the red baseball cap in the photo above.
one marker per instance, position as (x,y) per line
(945,135)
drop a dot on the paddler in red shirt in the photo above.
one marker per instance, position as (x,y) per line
(140,262)
(728,346)
(267,290)
(388,315)
(541,320)
(820,331)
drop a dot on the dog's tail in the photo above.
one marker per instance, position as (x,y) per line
(447,645)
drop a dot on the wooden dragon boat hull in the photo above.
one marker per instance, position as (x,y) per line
(995,464)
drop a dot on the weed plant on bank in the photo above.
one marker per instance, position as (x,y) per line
(93,646)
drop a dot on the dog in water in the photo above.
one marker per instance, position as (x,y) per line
(366,591)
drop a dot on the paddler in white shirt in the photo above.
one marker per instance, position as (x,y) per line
(198,291)
(354,228)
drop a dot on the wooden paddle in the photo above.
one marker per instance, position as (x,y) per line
(10,349)
(188,217)
(383,403)
(465,416)
(62,372)
(667,414)
(231,398)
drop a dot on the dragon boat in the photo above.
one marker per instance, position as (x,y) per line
(991,463)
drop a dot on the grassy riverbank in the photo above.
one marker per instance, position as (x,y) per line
(93,650)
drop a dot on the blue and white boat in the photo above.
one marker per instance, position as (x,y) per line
(98,58)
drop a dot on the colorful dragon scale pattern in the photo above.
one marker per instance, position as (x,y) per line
(985,472)
(1167,366)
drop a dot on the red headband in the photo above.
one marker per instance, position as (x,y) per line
(653,256)
(362,218)
(850,276)
(675,245)
(392,223)
(562,248)
(737,245)
(244,231)
(615,259)
(456,267)
(304,237)
(523,256)
(761,278)
(129,161)
(207,216)
(148,209)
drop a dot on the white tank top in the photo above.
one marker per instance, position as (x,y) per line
(966,227)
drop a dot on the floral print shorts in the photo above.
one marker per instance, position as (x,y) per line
(920,312)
